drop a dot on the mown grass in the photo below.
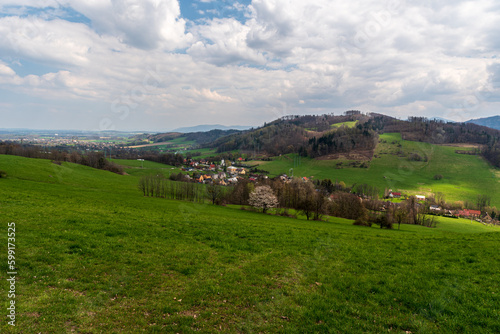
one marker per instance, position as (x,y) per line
(464,176)
(94,256)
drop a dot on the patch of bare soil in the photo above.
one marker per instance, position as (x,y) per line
(465,145)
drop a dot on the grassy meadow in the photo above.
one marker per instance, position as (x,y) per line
(464,176)
(346,124)
(95,256)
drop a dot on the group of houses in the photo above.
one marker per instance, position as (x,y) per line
(223,173)
(438,210)
(393,194)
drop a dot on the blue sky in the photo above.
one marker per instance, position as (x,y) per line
(156,65)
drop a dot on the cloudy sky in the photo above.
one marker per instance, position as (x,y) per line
(160,64)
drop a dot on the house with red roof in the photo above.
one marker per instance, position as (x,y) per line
(393,194)
(469,213)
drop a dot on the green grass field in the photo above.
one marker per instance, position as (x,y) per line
(95,256)
(464,176)
(205,153)
(141,168)
(346,124)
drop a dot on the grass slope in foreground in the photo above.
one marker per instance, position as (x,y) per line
(94,256)
(464,176)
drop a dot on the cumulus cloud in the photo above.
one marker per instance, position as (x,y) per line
(55,41)
(145,24)
(146,64)
(224,42)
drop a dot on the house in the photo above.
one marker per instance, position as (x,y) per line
(487,218)
(435,208)
(420,198)
(241,171)
(394,195)
(232,169)
(469,213)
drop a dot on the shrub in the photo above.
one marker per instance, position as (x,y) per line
(384,222)
(3,174)
(415,157)
(438,177)
(362,222)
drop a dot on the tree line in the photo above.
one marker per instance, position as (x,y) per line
(91,159)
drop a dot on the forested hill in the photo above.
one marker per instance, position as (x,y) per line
(201,137)
(312,136)
(491,122)
(319,136)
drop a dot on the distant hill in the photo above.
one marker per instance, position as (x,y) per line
(491,122)
(200,137)
(327,136)
(205,128)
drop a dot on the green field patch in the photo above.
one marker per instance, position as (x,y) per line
(346,124)
(201,153)
(95,256)
(464,176)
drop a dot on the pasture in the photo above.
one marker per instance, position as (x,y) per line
(95,256)
(464,176)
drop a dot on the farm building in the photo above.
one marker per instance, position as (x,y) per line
(469,213)
(393,194)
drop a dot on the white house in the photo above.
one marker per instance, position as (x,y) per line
(232,169)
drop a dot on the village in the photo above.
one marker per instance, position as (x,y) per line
(226,173)
(222,173)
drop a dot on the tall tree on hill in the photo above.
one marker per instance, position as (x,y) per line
(214,192)
(307,199)
(483,201)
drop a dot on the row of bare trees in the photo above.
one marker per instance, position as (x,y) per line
(157,185)
(91,159)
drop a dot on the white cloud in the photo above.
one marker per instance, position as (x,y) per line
(146,24)
(6,70)
(224,42)
(287,56)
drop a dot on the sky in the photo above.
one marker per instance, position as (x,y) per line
(155,65)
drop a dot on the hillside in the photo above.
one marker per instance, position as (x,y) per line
(311,136)
(329,135)
(93,255)
(464,176)
(206,128)
(491,122)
